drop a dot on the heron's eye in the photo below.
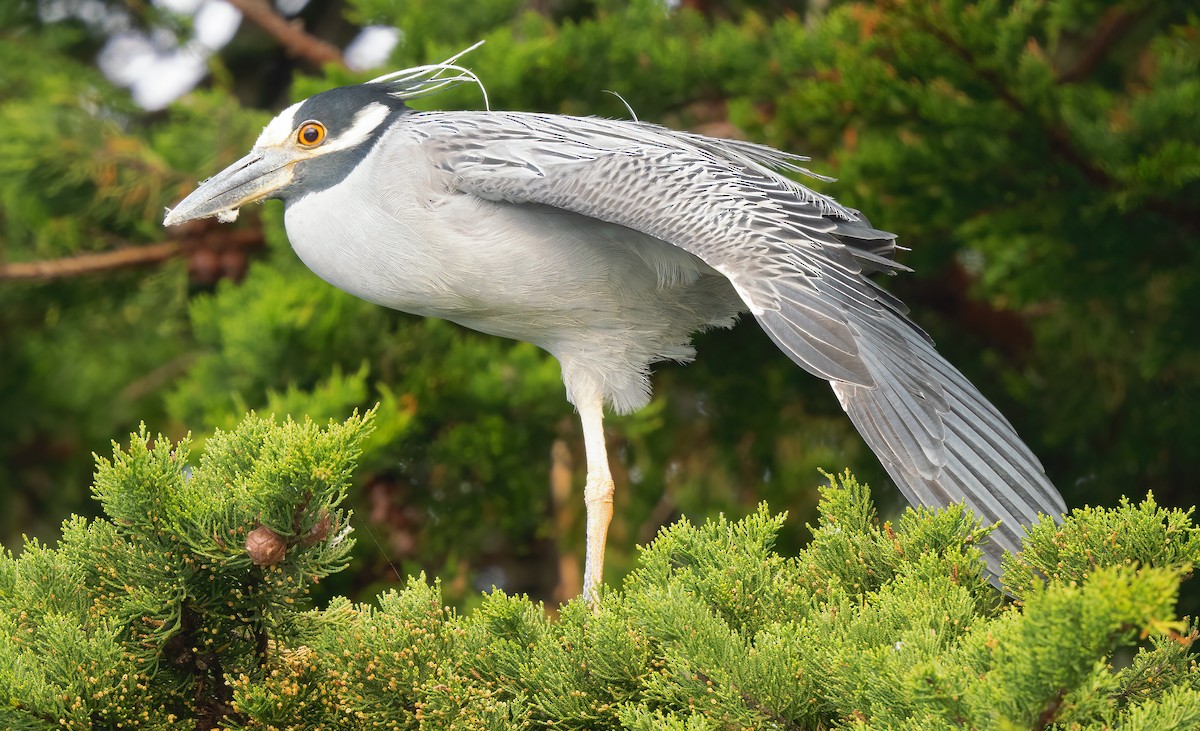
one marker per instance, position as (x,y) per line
(311,134)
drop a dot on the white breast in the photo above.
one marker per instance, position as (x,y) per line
(394,232)
(367,236)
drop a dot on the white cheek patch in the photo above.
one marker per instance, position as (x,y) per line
(278,131)
(365,122)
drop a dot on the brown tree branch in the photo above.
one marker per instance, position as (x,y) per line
(1058,137)
(127,258)
(289,33)
(74,266)
(1114,24)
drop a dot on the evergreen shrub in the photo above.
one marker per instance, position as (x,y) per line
(187,607)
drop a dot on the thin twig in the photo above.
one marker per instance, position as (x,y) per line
(1051,710)
(289,33)
(1114,25)
(126,258)
(74,266)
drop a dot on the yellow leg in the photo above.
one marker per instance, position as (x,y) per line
(597,495)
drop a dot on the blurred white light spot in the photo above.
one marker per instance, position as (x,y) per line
(183,7)
(164,39)
(216,23)
(290,7)
(96,14)
(53,11)
(174,74)
(155,67)
(126,57)
(372,47)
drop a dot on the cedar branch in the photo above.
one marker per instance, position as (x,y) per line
(47,270)
(1058,137)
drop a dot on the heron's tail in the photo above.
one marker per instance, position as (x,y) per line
(949,446)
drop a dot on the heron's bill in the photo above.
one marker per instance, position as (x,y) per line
(248,180)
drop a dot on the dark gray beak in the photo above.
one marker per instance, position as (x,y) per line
(248,180)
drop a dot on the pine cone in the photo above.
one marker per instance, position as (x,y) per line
(265,547)
(318,532)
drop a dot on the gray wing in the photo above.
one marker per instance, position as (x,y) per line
(797,258)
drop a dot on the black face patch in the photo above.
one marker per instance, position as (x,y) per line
(337,109)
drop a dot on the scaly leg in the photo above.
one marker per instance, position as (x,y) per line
(597,494)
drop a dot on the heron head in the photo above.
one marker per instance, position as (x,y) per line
(310,146)
(315,143)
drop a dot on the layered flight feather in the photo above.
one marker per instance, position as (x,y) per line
(797,258)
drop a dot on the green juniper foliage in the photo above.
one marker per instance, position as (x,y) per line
(186,606)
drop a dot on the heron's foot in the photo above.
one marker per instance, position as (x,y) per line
(598,497)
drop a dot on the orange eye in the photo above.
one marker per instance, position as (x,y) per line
(311,134)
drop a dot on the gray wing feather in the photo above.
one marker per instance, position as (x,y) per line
(797,258)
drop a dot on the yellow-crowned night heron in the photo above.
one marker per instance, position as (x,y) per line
(609,243)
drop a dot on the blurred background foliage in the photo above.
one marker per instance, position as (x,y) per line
(1041,159)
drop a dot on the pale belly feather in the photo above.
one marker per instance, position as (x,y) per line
(604,299)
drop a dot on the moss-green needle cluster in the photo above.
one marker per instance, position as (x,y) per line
(158,616)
